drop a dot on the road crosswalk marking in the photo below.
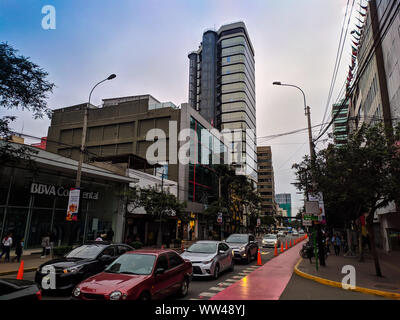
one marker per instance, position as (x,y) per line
(237,277)
(224,284)
(216,288)
(231,280)
(207,294)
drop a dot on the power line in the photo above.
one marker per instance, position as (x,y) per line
(377,42)
(338,57)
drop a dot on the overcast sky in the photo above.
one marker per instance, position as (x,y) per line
(146,42)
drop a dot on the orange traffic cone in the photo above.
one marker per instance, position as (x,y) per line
(276,251)
(20,274)
(259,263)
(281,247)
(290,243)
(286,247)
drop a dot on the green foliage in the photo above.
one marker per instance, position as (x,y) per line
(23,85)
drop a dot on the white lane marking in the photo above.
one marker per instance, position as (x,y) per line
(207,294)
(237,277)
(224,284)
(194,299)
(231,280)
(216,288)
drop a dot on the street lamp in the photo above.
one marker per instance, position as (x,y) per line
(306,112)
(84,130)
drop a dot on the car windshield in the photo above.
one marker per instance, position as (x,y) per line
(237,238)
(270,236)
(85,252)
(132,264)
(203,248)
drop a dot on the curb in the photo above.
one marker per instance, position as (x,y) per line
(5,273)
(335,284)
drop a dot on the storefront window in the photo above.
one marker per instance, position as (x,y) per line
(16,222)
(20,189)
(5,177)
(40,225)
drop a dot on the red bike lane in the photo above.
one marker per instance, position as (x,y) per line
(267,282)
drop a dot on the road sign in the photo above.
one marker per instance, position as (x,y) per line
(312,207)
(307,223)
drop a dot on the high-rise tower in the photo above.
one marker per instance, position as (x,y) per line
(222,89)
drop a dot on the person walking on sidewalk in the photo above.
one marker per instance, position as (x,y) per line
(6,246)
(45,244)
(336,244)
(18,250)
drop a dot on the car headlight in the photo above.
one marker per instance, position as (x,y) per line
(233,253)
(77,292)
(116,295)
(242,248)
(72,269)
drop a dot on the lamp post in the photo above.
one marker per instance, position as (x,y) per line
(306,112)
(312,156)
(84,130)
(81,156)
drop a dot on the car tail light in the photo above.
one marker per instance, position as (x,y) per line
(39,295)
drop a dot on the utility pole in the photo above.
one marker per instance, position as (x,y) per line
(82,152)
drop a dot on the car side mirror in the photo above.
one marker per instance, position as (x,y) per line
(159,271)
(221,251)
(105,258)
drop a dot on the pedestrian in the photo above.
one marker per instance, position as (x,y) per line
(6,246)
(110,235)
(45,244)
(99,238)
(18,250)
(336,244)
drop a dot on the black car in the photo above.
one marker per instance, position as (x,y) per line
(19,290)
(244,246)
(80,264)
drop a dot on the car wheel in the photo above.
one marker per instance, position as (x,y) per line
(145,296)
(216,272)
(184,287)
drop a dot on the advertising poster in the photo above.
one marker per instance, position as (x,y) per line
(73,204)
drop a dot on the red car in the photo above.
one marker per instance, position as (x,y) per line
(139,274)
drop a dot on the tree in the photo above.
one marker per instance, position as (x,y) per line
(359,177)
(23,85)
(161,204)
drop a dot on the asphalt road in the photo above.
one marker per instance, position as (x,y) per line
(199,289)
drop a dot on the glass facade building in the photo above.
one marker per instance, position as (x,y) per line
(222,89)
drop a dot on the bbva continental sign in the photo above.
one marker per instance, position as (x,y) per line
(60,191)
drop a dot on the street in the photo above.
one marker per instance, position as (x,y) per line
(204,288)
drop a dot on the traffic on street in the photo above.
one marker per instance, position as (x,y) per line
(106,271)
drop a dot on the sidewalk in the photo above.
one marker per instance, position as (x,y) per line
(366,280)
(267,282)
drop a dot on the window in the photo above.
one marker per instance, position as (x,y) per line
(162,262)
(228,59)
(110,251)
(174,260)
(122,249)
(223,246)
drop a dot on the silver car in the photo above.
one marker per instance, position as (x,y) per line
(270,241)
(209,258)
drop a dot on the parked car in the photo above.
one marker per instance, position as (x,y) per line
(244,246)
(139,275)
(270,240)
(19,290)
(81,263)
(281,234)
(301,232)
(209,258)
(295,233)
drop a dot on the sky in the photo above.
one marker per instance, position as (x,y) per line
(146,42)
